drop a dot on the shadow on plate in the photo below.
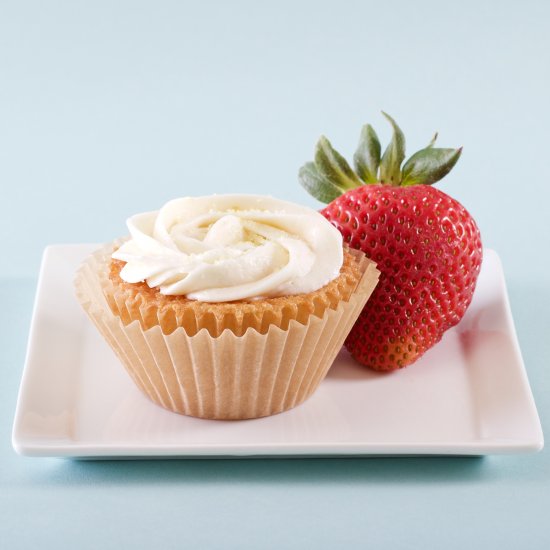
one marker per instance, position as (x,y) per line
(347,368)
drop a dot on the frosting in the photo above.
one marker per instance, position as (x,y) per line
(222,248)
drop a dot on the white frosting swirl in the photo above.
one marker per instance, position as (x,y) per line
(223,248)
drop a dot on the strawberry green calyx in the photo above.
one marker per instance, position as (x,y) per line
(429,165)
(330,175)
(390,165)
(367,156)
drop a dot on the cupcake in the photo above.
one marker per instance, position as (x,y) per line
(227,306)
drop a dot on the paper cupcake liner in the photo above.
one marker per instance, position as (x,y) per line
(228,376)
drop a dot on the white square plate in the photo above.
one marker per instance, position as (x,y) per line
(469,395)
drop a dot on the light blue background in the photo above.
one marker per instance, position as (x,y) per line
(111,108)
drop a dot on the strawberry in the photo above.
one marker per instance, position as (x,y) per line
(426,245)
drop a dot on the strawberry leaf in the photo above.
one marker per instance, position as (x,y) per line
(334,167)
(429,165)
(317,185)
(390,165)
(367,156)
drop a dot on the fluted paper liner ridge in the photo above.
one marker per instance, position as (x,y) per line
(228,376)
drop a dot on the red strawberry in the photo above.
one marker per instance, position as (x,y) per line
(427,246)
